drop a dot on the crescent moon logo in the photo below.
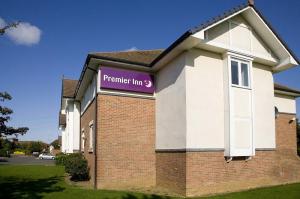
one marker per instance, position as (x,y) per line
(148,83)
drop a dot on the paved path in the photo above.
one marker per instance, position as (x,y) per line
(25,160)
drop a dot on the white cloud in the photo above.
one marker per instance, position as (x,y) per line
(23,34)
(132,49)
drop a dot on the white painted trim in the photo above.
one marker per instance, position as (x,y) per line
(252,106)
(286,93)
(230,105)
(91,136)
(241,59)
(124,94)
(240,62)
(275,36)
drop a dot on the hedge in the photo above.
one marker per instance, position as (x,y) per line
(75,164)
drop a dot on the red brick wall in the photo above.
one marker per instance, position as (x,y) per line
(126,142)
(126,157)
(86,118)
(171,172)
(209,173)
(286,139)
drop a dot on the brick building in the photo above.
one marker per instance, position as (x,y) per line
(203,116)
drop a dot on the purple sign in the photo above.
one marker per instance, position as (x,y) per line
(119,79)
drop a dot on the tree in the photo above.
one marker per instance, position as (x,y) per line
(5,117)
(11,25)
(36,147)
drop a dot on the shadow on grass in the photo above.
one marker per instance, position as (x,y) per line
(16,188)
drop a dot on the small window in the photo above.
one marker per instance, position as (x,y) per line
(240,73)
(91,136)
(82,140)
(234,73)
(245,74)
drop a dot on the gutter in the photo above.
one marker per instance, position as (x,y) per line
(288,93)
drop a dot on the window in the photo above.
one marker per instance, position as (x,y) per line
(240,73)
(91,136)
(82,140)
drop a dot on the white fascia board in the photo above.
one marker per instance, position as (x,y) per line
(276,44)
(284,64)
(96,63)
(187,44)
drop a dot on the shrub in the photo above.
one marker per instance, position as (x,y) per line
(76,165)
(60,159)
(19,152)
(4,153)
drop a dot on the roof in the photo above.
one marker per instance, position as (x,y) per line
(69,87)
(279,87)
(62,120)
(140,57)
(150,58)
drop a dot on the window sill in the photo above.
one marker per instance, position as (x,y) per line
(90,150)
(242,87)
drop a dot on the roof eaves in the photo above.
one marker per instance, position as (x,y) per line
(279,87)
(118,60)
(171,47)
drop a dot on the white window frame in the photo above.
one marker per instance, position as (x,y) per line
(91,136)
(235,56)
(82,140)
(240,62)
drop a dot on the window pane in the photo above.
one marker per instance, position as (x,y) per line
(234,73)
(244,75)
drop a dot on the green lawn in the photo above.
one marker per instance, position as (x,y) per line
(31,182)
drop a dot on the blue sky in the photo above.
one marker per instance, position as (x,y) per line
(71,29)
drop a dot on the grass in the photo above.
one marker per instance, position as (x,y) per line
(35,182)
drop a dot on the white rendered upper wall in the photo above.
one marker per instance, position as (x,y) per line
(171,105)
(264,115)
(204,100)
(190,103)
